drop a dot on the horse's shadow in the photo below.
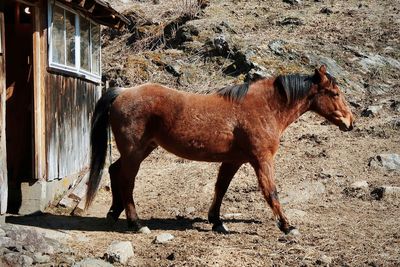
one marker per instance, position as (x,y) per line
(65,222)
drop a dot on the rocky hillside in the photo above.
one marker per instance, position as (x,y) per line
(202,45)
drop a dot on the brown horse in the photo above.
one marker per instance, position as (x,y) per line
(235,125)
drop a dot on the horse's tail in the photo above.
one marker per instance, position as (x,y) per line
(98,141)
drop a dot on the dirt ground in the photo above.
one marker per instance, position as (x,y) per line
(315,166)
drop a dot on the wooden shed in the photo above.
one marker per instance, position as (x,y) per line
(50,79)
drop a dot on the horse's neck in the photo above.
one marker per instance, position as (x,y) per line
(289,113)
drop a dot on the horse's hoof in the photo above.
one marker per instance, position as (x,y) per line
(220,228)
(144,230)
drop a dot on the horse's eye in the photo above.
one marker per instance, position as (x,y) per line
(335,94)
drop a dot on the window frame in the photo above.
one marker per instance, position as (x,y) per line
(89,75)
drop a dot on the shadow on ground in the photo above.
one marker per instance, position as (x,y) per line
(64,222)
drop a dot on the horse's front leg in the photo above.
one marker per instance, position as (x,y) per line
(264,169)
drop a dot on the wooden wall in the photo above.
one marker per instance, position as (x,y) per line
(3,154)
(69,107)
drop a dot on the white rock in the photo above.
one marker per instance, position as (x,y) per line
(163,238)
(119,251)
(40,258)
(390,162)
(190,210)
(144,230)
(25,260)
(359,185)
(2,233)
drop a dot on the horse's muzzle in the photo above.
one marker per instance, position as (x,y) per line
(346,123)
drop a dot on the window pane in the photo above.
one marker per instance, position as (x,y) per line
(70,36)
(85,41)
(96,49)
(57,36)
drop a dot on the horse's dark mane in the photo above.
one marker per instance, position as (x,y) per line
(294,86)
(234,92)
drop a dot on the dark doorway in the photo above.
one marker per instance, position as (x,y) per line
(19,83)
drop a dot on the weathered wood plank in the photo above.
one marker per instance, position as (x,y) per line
(38,98)
(68,124)
(78,193)
(3,148)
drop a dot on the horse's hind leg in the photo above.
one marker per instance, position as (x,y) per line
(117,206)
(129,169)
(225,175)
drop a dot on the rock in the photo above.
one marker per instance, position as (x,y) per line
(6,241)
(11,259)
(163,238)
(292,2)
(326,10)
(385,191)
(31,236)
(190,210)
(371,111)
(372,61)
(390,162)
(220,46)
(395,105)
(360,185)
(89,262)
(332,66)
(241,64)
(119,251)
(358,189)
(294,232)
(185,33)
(324,260)
(2,233)
(395,123)
(277,47)
(256,73)
(40,258)
(25,260)
(144,230)
(291,21)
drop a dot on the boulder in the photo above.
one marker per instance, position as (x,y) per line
(119,251)
(390,162)
(371,111)
(163,238)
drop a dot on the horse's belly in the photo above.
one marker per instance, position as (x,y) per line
(210,147)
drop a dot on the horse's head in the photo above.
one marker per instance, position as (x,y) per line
(328,101)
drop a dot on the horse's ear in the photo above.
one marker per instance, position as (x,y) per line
(283,87)
(322,69)
(320,74)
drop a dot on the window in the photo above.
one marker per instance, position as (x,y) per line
(74,42)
